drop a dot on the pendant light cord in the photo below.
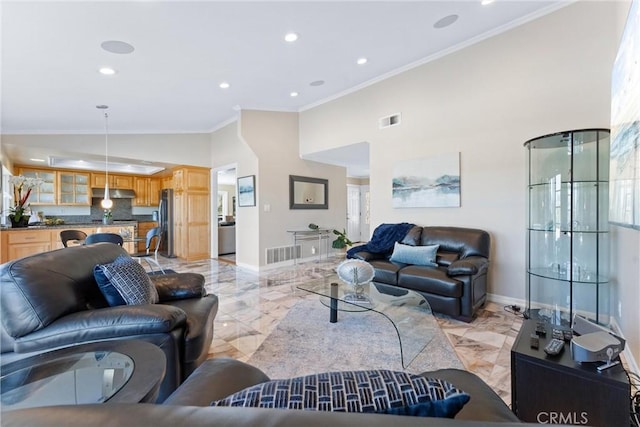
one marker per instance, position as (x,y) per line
(106,147)
(106,203)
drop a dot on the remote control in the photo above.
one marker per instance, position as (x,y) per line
(534,341)
(540,329)
(554,347)
(557,333)
(568,335)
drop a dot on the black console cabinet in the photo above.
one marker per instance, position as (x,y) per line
(558,390)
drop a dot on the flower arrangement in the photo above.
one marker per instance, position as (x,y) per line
(22,187)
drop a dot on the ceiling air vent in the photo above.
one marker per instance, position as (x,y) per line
(388,121)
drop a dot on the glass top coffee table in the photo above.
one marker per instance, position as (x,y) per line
(408,311)
(112,371)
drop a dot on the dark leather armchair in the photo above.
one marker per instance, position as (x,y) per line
(51,300)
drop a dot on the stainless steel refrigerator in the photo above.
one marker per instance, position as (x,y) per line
(166,219)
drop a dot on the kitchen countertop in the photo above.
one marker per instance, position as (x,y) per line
(76,224)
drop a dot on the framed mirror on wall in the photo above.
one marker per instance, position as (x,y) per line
(308,193)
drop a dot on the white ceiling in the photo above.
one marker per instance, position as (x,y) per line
(51,54)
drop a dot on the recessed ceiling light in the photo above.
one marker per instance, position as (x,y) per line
(115,46)
(224,85)
(293,94)
(107,71)
(290,37)
(486,2)
(446,21)
(317,83)
(37,160)
(361,61)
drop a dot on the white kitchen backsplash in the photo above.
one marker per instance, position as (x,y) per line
(143,210)
(62,210)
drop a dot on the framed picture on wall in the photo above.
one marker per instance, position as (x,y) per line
(431,182)
(247,191)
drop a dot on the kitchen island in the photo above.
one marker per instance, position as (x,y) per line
(20,242)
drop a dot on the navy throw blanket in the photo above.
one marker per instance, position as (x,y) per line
(383,239)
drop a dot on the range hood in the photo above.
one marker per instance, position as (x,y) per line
(114,193)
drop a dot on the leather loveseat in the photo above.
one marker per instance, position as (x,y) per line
(218,378)
(457,285)
(51,300)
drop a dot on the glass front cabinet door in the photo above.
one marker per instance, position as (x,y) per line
(567,232)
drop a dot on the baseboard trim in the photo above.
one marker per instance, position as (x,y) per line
(502,300)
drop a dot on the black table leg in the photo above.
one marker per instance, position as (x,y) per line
(333,308)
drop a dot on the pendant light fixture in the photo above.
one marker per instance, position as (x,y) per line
(106,202)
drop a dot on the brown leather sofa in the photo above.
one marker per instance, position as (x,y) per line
(457,286)
(218,378)
(51,300)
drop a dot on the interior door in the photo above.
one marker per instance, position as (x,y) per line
(365,213)
(353,213)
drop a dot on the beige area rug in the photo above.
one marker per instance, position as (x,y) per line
(305,342)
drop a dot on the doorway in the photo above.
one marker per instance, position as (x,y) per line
(358,218)
(226,215)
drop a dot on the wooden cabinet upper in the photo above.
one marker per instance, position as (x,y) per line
(147,191)
(45,194)
(191,179)
(122,182)
(73,188)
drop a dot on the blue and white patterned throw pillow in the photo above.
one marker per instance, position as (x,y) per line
(125,281)
(377,391)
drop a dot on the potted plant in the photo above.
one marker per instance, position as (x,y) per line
(19,213)
(342,241)
(107,218)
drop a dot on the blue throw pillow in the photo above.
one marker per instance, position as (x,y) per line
(125,281)
(376,391)
(416,255)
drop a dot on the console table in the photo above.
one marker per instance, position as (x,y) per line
(558,390)
(320,235)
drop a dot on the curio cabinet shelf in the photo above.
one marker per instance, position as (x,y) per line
(567,228)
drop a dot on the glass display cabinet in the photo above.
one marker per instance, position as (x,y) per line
(567,230)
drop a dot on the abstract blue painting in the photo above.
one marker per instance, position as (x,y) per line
(432,182)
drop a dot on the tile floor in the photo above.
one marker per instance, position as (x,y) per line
(252,303)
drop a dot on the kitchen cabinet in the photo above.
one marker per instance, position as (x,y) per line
(143,228)
(166,182)
(29,241)
(45,194)
(147,191)
(73,189)
(192,213)
(122,182)
(22,243)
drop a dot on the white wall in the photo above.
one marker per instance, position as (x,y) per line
(625,284)
(273,137)
(485,101)
(228,148)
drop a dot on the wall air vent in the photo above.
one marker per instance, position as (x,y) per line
(284,253)
(388,121)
